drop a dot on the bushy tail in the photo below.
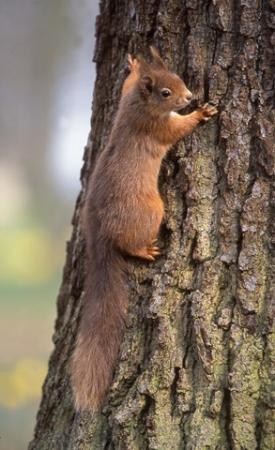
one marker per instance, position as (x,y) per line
(101,327)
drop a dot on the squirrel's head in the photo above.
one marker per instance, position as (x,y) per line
(162,90)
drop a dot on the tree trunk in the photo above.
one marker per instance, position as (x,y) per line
(196,361)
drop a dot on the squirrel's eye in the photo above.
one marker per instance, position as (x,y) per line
(166,92)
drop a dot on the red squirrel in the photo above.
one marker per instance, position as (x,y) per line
(123,212)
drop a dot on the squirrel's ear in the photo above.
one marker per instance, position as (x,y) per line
(142,64)
(133,63)
(130,60)
(146,84)
(146,79)
(157,59)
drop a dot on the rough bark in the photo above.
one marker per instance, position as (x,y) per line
(196,362)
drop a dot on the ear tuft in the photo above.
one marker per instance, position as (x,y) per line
(157,59)
(133,63)
(130,60)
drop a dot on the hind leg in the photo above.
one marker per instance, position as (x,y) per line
(137,235)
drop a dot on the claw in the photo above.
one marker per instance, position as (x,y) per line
(208,111)
(155,251)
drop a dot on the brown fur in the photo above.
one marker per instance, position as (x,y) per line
(123,214)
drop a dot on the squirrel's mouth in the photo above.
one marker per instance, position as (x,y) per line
(179,109)
(181,106)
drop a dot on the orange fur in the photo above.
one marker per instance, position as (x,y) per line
(123,212)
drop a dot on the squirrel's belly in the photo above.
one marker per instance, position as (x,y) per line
(134,221)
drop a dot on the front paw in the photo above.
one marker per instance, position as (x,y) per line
(207,111)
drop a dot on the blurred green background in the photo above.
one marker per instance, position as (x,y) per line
(47,77)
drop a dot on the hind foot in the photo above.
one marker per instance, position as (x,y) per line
(149,252)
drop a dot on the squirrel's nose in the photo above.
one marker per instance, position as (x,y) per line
(188,96)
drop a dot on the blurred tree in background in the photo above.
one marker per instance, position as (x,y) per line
(46,87)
